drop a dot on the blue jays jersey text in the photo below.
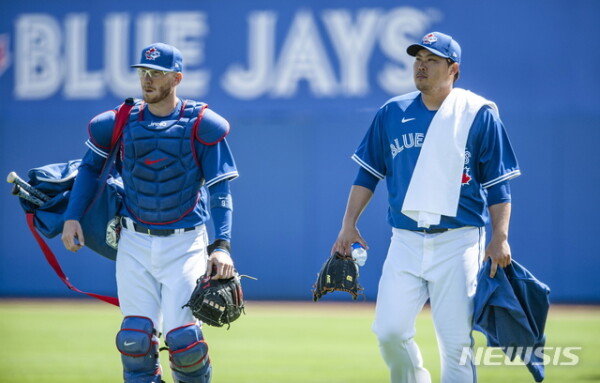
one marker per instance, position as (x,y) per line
(391,147)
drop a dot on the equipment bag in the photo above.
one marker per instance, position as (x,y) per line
(100,220)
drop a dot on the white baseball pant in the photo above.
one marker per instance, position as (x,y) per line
(442,267)
(156,275)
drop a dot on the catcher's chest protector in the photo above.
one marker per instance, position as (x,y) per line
(161,173)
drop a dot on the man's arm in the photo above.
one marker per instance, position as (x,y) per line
(498,249)
(221,209)
(100,133)
(84,189)
(357,202)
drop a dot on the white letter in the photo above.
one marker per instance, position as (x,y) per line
(489,355)
(122,81)
(353,44)
(304,57)
(465,356)
(255,81)
(420,137)
(79,83)
(402,27)
(574,358)
(185,30)
(38,65)
(147,27)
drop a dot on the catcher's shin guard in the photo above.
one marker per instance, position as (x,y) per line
(188,353)
(138,345)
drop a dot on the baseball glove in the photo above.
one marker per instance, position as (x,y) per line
(339,273)
(217,302)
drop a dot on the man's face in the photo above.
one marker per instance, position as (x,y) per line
(431,71)
(157,85)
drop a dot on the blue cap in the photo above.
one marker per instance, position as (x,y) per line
(439,44)
(161,56)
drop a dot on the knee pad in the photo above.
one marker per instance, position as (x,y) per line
(138,345)
(188,353)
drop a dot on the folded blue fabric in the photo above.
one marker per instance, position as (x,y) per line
(511,310)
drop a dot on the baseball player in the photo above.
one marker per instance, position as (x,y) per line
(171,152)
(439,262)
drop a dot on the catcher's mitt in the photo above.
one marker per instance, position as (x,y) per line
(339,273)
(217,301)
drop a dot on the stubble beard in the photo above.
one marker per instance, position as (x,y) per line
(163,93)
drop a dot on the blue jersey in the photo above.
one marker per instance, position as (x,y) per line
(391,147)
(211,149)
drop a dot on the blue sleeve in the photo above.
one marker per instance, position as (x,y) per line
(212,149)
(100,131)
(366,179)
(498,193)
(217,163)
(84,188)
(369,154)
(221,209)
(497,160)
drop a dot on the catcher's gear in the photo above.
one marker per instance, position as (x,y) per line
(188,353)
(217,301)
(339,273)
(138,344)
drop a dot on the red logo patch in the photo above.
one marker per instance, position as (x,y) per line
(429,39)
(466,179)
(148,161)
(152,54)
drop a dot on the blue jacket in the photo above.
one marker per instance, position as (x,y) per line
(511,310)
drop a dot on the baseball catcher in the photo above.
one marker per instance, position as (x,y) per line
(339,273)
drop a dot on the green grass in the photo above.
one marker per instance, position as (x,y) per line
(64,341)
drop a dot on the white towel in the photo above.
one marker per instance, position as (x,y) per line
(434,188)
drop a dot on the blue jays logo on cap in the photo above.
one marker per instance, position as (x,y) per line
(152,53)
(161,56)
(439,44)
(429,39)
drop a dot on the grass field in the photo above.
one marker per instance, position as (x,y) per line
(73,341)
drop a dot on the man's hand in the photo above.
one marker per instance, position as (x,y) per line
(345,239)
(71,231)
(499,251)
(222,264)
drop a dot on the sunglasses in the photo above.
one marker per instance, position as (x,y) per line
(152,73)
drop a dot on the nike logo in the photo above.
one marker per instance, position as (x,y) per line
(126,344)
(148,161)
(407,119)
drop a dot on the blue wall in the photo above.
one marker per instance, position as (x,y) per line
(300,83)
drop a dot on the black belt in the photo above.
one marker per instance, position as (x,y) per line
(125,222)
(432,231)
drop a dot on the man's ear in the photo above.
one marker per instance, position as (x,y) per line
(455,68)
(177,78)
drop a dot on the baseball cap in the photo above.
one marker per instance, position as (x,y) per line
(439,44)
(161,56)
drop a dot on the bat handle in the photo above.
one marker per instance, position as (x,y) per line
(22,193)
(14,178)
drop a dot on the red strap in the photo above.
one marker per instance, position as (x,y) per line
(120,121)
(51,258)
